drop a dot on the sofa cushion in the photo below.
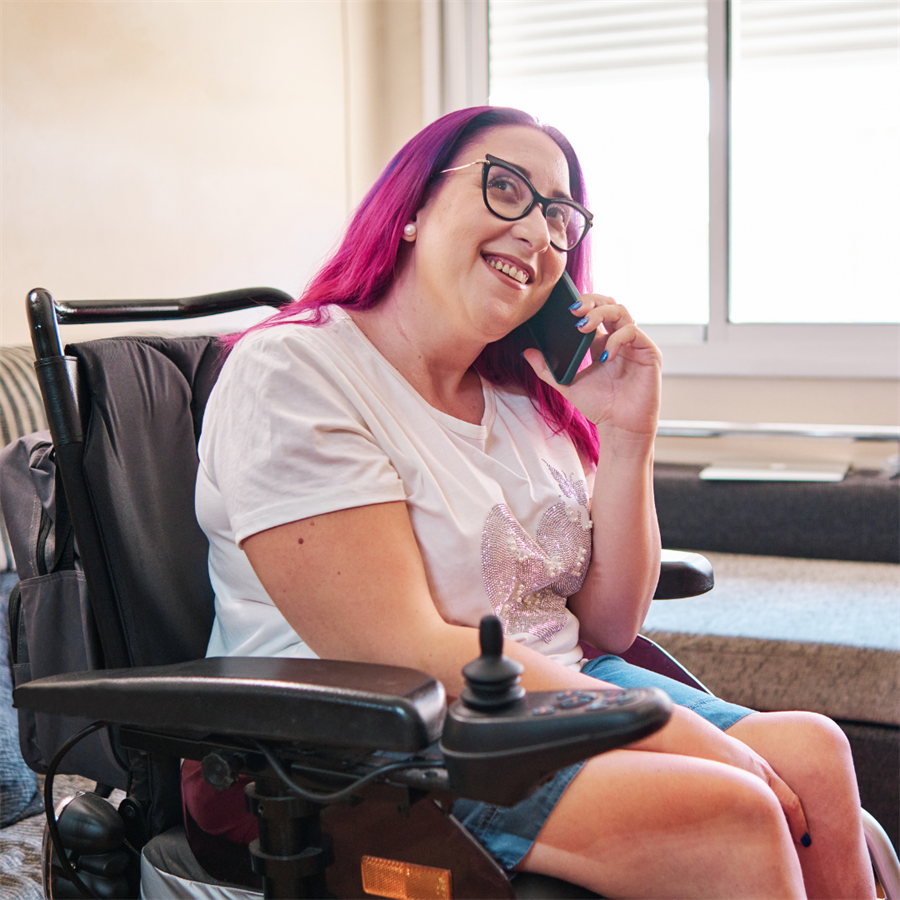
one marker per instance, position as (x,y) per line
(776,634)
(21,412)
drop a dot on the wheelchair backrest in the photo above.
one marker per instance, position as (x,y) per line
(141,401)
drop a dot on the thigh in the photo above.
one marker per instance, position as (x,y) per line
(616,671)
(637,823)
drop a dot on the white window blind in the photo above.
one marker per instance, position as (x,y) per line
(563,39)
(626,81)
(799,27)
(814,148)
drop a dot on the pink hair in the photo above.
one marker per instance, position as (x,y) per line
(361,270)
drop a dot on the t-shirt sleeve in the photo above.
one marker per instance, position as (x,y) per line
(283,440)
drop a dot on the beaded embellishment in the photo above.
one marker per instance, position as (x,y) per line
(529,579)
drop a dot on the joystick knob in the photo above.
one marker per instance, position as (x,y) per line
(492,680)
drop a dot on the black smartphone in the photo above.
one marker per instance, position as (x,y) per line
(554,332)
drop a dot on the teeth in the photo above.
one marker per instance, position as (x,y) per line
(507,269)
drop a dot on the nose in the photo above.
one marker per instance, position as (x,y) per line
(533,229)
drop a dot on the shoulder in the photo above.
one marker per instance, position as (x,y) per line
(281,341)
(279,357)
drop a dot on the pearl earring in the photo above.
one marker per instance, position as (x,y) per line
(409,230)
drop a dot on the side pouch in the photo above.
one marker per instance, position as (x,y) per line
(55,624)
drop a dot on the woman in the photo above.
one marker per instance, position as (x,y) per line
(388,445)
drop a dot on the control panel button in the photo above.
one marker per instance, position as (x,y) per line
(600,703)
(579,699)
(543,711)
(625,697)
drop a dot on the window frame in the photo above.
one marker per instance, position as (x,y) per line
(455,39)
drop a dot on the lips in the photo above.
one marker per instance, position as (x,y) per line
(518,273)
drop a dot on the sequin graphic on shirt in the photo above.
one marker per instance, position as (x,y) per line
(528,579)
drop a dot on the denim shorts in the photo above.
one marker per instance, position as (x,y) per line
(507,833)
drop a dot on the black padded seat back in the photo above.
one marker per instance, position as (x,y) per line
(142,402)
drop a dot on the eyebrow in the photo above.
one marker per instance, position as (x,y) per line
(559,195)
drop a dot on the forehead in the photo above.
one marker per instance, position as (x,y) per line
(529,149)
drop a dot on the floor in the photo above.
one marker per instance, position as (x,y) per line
(20,846)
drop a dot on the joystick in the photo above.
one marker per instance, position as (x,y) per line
(500,743)
(492,680)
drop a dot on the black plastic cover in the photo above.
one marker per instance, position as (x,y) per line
(683,575)
(309,702)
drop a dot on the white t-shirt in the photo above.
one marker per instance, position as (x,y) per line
(306,420)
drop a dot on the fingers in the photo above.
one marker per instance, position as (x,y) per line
(594,311)
(793,810)
(614,325)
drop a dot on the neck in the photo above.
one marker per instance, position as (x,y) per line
(439,368)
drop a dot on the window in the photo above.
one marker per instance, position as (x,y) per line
(741,160)
(815,162)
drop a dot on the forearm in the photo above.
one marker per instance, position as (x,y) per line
(612,604)
(441,650)
(443,654)
(688,734)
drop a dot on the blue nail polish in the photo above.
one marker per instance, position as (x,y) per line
(581,322)
(575,305)
(604,356)
(806,840)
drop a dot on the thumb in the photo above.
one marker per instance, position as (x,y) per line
(536,360)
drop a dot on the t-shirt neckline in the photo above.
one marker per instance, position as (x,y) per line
(459,426)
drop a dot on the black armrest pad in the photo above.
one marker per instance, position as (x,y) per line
(308,702)
(683,575)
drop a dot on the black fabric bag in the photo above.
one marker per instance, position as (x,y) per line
(51,624)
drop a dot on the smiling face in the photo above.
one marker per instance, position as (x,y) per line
(477,273)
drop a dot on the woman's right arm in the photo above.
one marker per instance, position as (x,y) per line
(353,585)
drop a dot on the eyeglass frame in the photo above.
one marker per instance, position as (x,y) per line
(536,198)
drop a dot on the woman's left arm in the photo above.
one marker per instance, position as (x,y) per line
(621,396)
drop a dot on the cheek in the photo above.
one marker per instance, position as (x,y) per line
(558,266)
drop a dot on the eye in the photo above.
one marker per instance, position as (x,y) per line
(506,188)
(559,215)
(502,182)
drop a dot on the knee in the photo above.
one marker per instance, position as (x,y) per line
(822,742)
(819,745)
(746,809)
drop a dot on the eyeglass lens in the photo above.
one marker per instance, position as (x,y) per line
(508,195)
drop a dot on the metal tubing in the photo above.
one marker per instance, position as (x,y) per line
(884,856)
(92,311)
(43,323)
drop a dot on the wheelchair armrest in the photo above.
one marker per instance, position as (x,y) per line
(309,702)
(683,575)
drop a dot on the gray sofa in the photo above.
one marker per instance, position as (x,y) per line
(21,412)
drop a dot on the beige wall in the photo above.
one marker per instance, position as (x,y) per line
(164,149)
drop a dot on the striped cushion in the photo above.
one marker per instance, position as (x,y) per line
(21,412)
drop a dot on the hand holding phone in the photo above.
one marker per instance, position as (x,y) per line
(554,332)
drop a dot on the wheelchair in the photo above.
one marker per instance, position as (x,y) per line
(351,769)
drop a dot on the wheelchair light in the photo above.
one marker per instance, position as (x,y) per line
(397,880)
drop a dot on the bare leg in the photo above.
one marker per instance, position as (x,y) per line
(812,755)
(642,824)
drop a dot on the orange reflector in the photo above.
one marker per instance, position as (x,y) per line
(404,881)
